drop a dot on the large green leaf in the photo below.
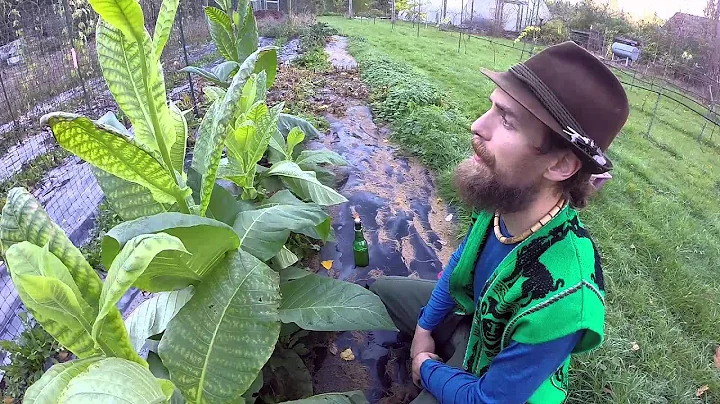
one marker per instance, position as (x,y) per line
(152,316)
(286,122)
(292,273)
(110,119)
(158,369)
(206,241)
(324,304)
(49,293)
(109,150)
(101,380)
(264,231)
(133,76)
(178,149)
(219,75)
(305,184)
(127,267)
(23,219)
(129,200)
(268,63)
(163,25)
(283,259)
(351,397)
(218,342)
(52,384)
(125,15)
(247,34)
(209,146)
(294,138)
(207,74)
(221,32)
(309,158)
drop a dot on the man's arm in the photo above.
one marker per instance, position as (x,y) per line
(514,375)
(440,303)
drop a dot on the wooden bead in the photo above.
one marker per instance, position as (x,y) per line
(527,233)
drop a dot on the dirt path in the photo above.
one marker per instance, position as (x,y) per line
(405,226)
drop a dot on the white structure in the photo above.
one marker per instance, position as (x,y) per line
(515,14)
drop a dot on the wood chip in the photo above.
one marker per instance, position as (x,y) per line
(701,390)
(347,355)
(448,217)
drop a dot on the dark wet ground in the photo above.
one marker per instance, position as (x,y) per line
(408,231)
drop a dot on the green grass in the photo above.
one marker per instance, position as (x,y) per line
(657,222)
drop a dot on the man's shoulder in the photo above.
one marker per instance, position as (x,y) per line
(572,252)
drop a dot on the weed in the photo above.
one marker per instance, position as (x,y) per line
(106,220)
(315,60)
(28,355)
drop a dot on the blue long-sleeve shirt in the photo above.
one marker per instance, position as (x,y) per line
(516,372)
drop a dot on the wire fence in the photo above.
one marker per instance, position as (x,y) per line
(680,85)
(48,63)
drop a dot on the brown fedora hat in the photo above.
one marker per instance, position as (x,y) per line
(574,94)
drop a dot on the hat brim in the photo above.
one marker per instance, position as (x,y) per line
(521,93)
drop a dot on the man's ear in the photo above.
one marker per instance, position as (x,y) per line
(565,166)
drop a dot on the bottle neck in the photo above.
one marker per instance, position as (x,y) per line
(359,236)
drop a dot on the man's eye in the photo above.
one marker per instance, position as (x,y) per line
(505,123)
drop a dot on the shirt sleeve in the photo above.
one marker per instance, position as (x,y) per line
(441,303)
(514,375)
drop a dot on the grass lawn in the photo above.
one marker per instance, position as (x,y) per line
(657,224)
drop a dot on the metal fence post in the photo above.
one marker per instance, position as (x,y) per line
(187,63)
(652,117)
(16,126)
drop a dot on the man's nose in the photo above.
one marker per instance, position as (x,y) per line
(481,128)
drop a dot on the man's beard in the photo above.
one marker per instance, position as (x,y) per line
(479,185)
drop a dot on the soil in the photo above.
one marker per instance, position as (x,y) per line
(404,222)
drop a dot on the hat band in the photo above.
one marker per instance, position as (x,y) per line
(572,129)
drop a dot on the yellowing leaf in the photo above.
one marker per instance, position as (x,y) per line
(327,264)
(348,355)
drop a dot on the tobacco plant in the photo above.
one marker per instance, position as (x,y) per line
(215,258)
(235,35)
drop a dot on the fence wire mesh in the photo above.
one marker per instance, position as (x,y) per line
(48,63)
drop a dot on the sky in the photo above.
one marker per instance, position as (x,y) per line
(664,8)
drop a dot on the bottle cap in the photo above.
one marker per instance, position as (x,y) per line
(358,224)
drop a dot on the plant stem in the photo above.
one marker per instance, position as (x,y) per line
(164,152)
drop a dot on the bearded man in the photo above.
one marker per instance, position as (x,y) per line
(525,288)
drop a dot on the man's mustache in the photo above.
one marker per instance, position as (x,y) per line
(482,152)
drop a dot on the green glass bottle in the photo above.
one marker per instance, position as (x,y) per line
(360,246)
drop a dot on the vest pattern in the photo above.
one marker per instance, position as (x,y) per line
(511,294)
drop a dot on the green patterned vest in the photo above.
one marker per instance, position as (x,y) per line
(548,287)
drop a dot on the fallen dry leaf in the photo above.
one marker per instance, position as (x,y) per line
(327,264)
(717,357)
(607,390)
(347,355)
(635,346)
(448,217)
(333,349)
(700,391)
